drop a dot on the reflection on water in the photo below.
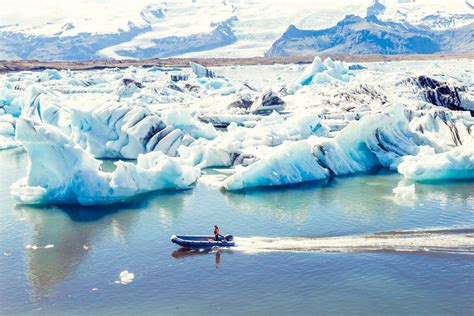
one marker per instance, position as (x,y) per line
(285,204)
(73,238)
(182,253)
(74,229)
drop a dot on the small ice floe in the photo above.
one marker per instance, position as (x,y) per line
(94,289)
(85,247)
(125,277)
(34,247)
(7,254)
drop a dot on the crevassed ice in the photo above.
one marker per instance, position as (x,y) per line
(60,171)
(334,122)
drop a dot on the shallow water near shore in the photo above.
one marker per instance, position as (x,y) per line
(80,251)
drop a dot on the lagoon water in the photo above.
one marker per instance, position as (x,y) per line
(92,245)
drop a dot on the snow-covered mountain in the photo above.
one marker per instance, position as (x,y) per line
(119,29)
(369,35)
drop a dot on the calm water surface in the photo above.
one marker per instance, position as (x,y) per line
(92,245)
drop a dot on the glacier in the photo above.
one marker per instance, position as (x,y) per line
(252,125)
(147,29)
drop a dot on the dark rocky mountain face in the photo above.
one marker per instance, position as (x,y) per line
(369,35)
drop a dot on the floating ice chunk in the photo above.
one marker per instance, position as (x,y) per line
(48,246)
(183,120)
(289,163)
(50,74)
(357,67)
(443,129)
(59,171)
(324,72)
(114,130)
(376,140)
(240,145)
(127,87)
(458,163)
(126,277)
(201,71)
(267,102)
(10,102)
(217,86)
(7,132)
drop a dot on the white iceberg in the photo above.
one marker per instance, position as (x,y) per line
(290,163)
(59,171)
(183,120)
(201,71)
(458,163)
(241,145)
(324,72)
(378,140)
(113,130)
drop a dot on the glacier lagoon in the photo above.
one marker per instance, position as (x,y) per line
(67,259)
(371,206)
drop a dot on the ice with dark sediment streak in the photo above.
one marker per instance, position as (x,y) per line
(113,130)
(331,121)
(60,171)
(378,140)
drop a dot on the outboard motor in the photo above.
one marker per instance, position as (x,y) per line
(229,238)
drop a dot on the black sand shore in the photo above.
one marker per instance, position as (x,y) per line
(35,65)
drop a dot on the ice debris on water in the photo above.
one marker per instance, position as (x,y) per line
(126,277)
(34,247)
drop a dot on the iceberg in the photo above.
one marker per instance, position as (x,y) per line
(324,72)
(242,145)
(377,140)
(183,120)
(201,71)
(7,132)
(113,130)
(267,102)
(458,163)
(290,163)
(60,171)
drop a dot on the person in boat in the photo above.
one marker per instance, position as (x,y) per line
(216,232)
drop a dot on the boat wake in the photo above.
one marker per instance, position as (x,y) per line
(458,241)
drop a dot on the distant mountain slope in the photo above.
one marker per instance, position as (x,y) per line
(123,29)
(369,35)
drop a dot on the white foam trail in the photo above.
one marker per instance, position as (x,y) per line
(441,240)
